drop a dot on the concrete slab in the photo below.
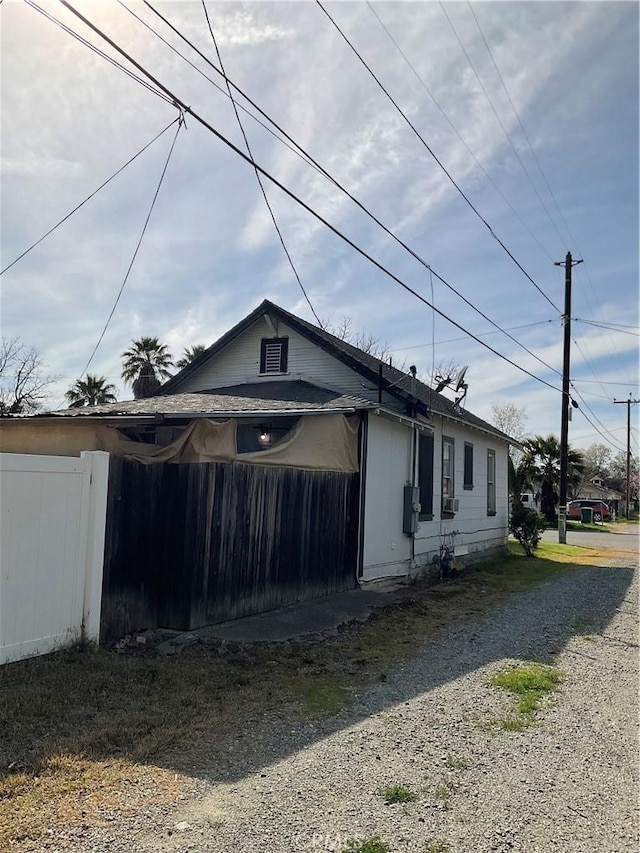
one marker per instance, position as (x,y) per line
(321,616)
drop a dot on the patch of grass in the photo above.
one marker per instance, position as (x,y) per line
(397,794)
(436,847)
(443,792)
(530,683)
(455,763)
(366,845)
(511,724)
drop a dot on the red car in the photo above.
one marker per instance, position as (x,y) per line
(601,511)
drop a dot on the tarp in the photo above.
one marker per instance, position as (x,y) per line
(315,443)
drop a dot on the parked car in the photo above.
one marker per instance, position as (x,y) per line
(601,511)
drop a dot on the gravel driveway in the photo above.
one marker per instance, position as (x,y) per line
(567,784)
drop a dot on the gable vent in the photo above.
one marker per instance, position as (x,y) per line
(273,355)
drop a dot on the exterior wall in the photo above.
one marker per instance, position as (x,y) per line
(477,531)
(388,552)
(52,522)
(239,363)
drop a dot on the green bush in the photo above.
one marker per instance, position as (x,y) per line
(527,525)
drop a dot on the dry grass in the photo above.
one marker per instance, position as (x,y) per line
(84,731)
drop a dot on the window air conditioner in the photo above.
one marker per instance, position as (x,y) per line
(450,504)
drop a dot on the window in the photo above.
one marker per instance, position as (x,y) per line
(425,475)
(273,355)
(448,483)
(468,466)
(491,482)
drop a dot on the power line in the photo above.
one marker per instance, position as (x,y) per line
(77,207)
(499,120)
(480,335)
(298,153)
(612,327)
(258,178)
(97,50)
(295,198)
(343,189)
(438,161)
(515,112)
(458,134)
(593,414)
(135,253)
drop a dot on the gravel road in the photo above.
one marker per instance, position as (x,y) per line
(567,784)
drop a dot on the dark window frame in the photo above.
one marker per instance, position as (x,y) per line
(491,482)
(284,355)
(448,441)
(467,478)
(425,475)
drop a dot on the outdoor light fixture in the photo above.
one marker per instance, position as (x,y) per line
(264,436)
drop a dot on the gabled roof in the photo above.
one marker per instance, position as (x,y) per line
(242,400)
(414,395)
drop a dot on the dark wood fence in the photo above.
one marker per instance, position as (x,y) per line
(192,545)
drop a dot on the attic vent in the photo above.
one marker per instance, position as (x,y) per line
(273,355)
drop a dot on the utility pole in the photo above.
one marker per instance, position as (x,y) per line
(628,403)
(568,265)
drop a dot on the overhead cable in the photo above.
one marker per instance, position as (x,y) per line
(258,178)
(458,134)
(135,253)
(298,200)
(97,50)
(78,206)
(438,161)
(519,120)
(347,193)
(612,327)
(298,152)
(501,123)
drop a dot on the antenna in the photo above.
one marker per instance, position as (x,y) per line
(459,380)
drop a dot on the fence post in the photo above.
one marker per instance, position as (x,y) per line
(97,473)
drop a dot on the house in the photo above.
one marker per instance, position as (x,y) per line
(283,463)
(595,489)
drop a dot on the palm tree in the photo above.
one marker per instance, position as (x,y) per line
(146,362)
(90,392)
(519,481)
(190,353)
(541,458)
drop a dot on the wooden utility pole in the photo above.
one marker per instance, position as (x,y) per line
(628,403)
(568,265)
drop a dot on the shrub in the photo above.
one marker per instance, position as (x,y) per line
(527,525)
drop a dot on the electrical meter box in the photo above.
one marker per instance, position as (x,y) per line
(411,509)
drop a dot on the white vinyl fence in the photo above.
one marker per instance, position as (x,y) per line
(52,523)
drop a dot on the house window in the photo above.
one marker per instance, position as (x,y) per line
(425,475)
(448,483)
(468,466)
(273,355)
(491,482)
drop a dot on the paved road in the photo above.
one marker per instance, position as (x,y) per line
(625,538)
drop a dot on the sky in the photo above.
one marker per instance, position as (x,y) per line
(530,107)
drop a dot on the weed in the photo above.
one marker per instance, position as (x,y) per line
(436,847)
(530,682)
(366,845)
(397,794)
(456,763)
(443,792)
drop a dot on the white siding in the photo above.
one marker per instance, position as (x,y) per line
(52,520)
(239,363)
(477,530)
(387,550)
